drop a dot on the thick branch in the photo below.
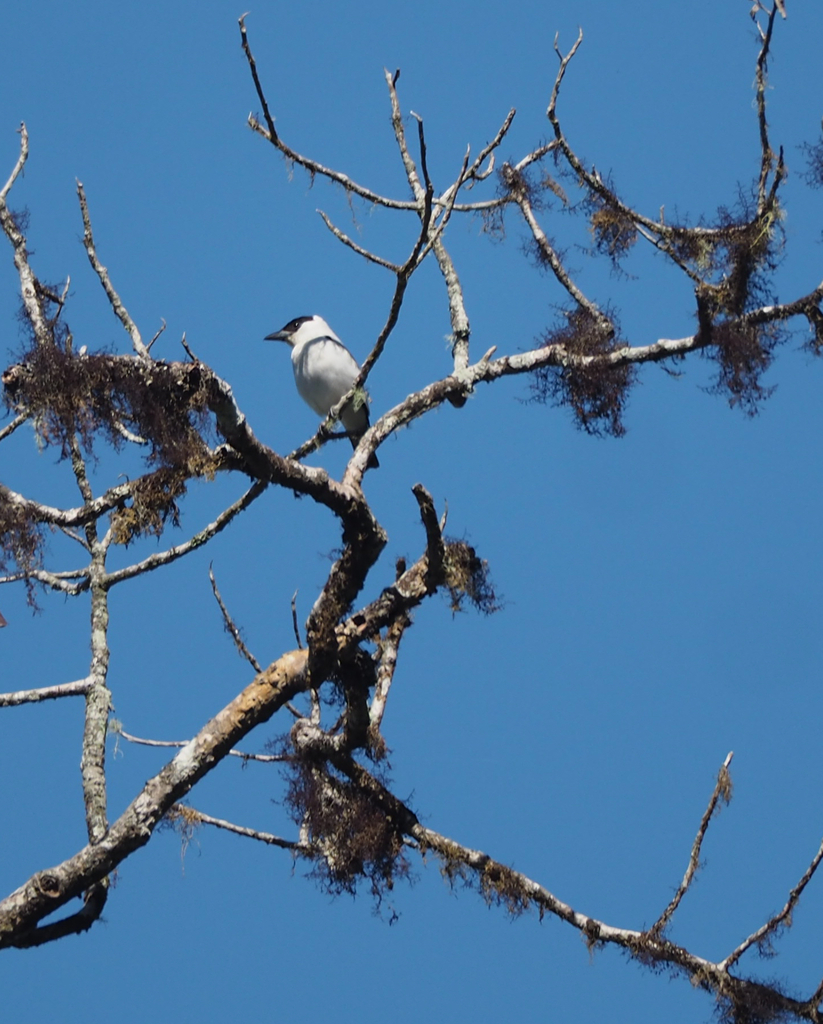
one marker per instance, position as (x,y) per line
(388,650)
(47,891)
(98,696)
(94,900)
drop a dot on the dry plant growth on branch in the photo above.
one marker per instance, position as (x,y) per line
(350,826)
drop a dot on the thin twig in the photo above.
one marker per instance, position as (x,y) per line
(72,535)
(722,792)
(365,253)
(17,170)
(783,918)
(235,634)
(30,287)
(117,729)
(240,830)
(156,335)
(424,163)
(549,253)
(187,349)
(53,580)
(536,154)
(115,301)
(312,166)
(413,178)
(10,428)
(294,621)
(231,628)
(198,540)
(76,689)
(767,156)
(474,174)
(593,181)
(435,546)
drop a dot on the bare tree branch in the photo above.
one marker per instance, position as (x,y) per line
(517,893)
(389,649)
(29,285)
(94,900)
(231,628)
(79,688)
(312,166)
(116,302)
(461,329)
(117,729)
(49,890)
(198,540)
(474,173)
(156,335)
(10,428)
(53,580)
(548,252)
(295,626)
(17,170)
(722,792)
(98,695)
(37,512)
(344,238)
(195,817)
(767,156)
(781,919)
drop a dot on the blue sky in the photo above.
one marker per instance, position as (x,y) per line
(662,592)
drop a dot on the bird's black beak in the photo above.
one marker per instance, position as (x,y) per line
(279,336)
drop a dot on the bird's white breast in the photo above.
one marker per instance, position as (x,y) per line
(324,371)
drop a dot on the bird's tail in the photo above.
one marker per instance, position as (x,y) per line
(372,463)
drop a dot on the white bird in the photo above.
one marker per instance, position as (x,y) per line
(324,370)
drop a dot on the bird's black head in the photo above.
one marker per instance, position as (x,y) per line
(291,328)
(298,322)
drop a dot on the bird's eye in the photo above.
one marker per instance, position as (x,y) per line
(298,321)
